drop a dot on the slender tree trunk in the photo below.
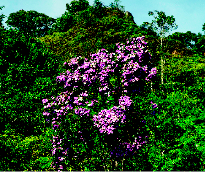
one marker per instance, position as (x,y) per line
(162,69)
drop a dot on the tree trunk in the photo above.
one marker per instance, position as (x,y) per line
(162,68)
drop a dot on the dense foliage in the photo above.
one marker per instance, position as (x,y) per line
(30,63)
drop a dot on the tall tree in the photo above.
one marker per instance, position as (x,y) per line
(162,24)
(30,23)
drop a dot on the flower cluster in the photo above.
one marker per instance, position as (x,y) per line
(89,73)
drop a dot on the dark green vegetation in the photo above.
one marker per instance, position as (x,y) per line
(30,65)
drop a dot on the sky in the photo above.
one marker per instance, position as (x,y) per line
(188,14)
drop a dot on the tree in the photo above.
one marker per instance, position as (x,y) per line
(98,8)
(78,12)
(76,6)
(203,28)
(164,23)
(21,64)
(1,17)
(63,23)
(185,42)
(116,5)
(199,44)
(30,23)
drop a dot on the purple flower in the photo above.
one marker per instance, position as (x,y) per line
(106,118)
(44,101)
